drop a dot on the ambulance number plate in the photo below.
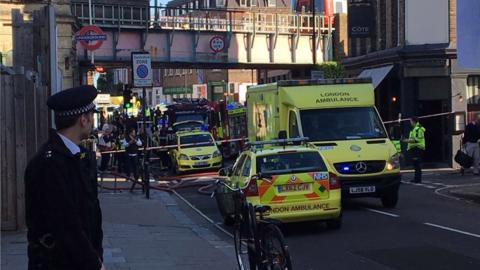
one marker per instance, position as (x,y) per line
(201,163)
(293,187)
(357,190)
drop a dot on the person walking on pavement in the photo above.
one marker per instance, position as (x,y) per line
(470,141)
(416,147)
(105,143)
(131,143)
(63,214)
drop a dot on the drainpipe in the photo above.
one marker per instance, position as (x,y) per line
(398,23)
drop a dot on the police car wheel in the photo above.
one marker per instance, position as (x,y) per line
(335,223)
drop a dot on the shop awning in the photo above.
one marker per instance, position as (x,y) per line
(377,74)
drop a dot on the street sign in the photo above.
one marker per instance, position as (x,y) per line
(217,44)
(142,69)
(91,37)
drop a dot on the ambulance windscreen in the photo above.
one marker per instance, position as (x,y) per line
(342,124)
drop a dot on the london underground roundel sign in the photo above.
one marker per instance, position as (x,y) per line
(91,37)
(217,44)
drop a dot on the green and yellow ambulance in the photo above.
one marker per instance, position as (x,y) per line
(339,117)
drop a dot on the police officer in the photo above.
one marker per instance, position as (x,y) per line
(63,215)
(416,147)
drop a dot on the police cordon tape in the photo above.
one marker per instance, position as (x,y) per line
(186,181)
(176,145)
(246,139)
(419,117)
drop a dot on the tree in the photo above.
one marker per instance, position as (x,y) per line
(332,70)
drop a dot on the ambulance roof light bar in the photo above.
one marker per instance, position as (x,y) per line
(324,82)
(282,142)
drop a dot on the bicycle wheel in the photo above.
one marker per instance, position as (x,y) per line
(274,250)
(241,253)
(254,240)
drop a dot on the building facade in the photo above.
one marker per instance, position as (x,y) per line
(213,84)
(408,48)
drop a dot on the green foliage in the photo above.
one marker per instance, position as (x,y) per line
(332,70)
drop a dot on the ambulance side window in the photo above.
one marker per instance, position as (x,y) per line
(238,166)
(292,125)
(246,167)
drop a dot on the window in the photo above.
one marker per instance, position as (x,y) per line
(203,139)
(272,3)
(252,3)
(341,124)
(243,3)
(197,4)
(191,71)
(207,4)
(296,162)
(246,167)
(292,125)
(220,3)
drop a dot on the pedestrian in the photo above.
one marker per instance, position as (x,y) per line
(131,143)
(105,143)
(416,147)
(470,141)
(63,215)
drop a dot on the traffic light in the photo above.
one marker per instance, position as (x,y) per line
(127,96)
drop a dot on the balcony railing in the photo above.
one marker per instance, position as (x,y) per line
(201,20)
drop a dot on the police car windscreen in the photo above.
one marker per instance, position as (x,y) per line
(342,124)
(292,162)
(196,140)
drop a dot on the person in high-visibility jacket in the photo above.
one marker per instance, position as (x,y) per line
(416,147)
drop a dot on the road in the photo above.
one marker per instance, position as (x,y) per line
(425,231)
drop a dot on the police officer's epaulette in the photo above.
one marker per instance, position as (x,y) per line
(48,154)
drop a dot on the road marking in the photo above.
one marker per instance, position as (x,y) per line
(381,212)
(452,229)
(419,184)
(202,214)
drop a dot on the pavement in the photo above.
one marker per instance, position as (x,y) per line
(450,183)
(160,233)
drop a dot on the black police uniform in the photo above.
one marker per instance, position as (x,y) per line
(62,209)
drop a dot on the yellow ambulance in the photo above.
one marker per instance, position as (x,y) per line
(293,180)
(196,150)
(339,117)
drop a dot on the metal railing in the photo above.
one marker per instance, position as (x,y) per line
(125,16)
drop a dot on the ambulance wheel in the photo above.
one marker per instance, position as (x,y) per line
(335,223)
(390,199)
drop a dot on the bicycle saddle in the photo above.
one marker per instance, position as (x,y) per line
(262,208)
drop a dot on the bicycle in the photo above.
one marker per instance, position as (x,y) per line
(265,244)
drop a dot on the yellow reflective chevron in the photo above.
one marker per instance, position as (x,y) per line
(294,187)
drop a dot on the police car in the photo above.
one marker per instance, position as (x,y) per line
(293,180)
(195,150)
